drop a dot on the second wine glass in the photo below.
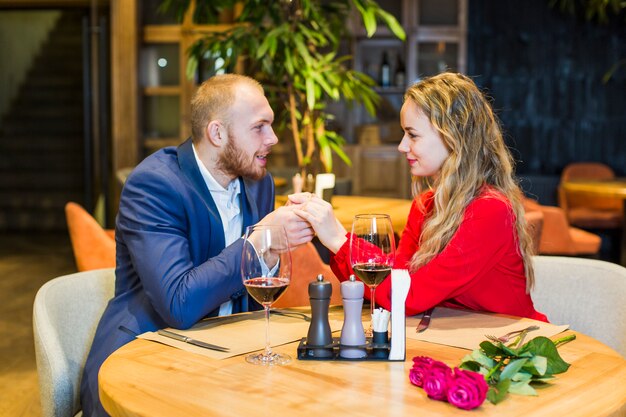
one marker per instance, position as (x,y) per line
(266,273)
(372,251)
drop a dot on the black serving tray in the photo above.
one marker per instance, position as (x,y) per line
(374,351)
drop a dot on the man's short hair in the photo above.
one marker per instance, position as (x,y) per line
(213,100)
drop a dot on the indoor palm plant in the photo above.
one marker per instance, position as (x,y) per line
(291,47)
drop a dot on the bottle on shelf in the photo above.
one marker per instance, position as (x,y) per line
(400,74)
(385,71)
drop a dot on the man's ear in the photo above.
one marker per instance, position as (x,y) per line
(213,132)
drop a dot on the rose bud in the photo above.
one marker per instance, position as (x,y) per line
(466,389)
(436,380)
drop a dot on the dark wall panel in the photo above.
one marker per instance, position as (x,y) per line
(544,71)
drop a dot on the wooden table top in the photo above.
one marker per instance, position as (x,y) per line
(348,206)
(145,378)
(607,188)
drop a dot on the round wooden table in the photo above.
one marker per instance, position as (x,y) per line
(145,378)
(615,188)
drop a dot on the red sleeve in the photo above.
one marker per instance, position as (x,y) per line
(475,247)
(340,262)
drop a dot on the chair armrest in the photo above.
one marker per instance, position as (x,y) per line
(555,237)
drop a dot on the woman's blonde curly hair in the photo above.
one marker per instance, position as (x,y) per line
(478,156)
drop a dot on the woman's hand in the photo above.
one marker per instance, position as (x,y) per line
(319,214)
(298,229)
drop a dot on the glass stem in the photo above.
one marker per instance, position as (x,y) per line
(373,300)
(268,349)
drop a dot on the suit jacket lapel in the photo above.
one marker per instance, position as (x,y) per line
(188,165)
(248,203)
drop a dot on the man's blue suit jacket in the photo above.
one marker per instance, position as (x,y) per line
(173,268)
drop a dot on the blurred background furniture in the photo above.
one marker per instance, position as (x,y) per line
(589,210)
(93,246)
(597,203)
(587,294)
(306,265)
(65,316)
(558,237)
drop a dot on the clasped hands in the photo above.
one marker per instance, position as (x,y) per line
(306,215)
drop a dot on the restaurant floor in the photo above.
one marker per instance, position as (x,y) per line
(26,263)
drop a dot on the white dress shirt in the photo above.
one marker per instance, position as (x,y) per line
(229,207)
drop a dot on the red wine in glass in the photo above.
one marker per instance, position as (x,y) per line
(266,273)
(266,290)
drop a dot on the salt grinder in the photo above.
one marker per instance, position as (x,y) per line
(320,338)
(352,333)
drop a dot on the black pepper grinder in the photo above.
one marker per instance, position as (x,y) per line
(320,338)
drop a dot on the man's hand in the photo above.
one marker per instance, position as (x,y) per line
(319,214)
(299,231)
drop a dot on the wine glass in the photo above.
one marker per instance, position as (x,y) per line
(372,251)
(266,272)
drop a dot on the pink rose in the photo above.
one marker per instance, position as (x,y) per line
(436,380)
(466,389)
(420,365)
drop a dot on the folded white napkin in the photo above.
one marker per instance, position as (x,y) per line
(400,282)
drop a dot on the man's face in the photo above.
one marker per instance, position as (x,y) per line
(249,135)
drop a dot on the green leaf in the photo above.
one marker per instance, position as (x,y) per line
(522,388)
(310,93)
(289,62)
(512,368)
(341,154)
(470,366)
(542,346)
(263,48)
(497,392)
(478,356)
(490,349)
(542,379)
(521,377)
(192,66)
(369,21)
(393,24)
(302,50)
(333,93)
(537,365)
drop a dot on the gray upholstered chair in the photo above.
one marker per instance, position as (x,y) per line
(587,294)
(65,315)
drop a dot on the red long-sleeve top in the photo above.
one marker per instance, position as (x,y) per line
(480,269)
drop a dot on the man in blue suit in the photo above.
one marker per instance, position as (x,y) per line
(183,211)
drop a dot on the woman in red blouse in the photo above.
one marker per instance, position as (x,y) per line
(465,243)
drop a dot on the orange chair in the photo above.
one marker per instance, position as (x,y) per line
(583,210)
(558,237)
(93,246)
(306,264)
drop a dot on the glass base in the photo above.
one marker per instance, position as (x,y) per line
(270,359)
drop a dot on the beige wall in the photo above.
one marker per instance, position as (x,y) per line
(21,36)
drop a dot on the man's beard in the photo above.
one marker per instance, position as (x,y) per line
(233,161)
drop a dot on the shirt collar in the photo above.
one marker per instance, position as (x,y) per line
(211,182)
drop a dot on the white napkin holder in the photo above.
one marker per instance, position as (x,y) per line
(400,283)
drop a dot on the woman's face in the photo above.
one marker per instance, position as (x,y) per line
(421,143)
